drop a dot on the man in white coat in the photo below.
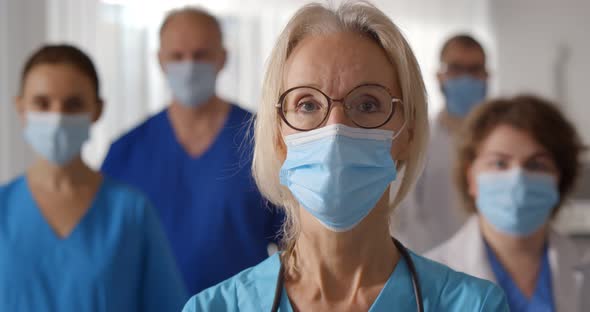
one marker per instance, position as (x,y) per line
(430,214)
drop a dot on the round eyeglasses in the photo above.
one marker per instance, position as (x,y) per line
(368,106)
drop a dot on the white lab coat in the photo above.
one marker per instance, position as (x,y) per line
(430,215)
(465,252)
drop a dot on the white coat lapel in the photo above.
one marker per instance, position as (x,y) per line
(465,252)
(477,262)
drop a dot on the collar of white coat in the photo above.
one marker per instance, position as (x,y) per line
(564,260)
(465,252)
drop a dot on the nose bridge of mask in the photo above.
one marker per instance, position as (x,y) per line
(338,130)
(58,120)
(182,69)
(192,83)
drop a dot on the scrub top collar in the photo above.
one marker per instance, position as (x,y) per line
(542,298)
(397,291)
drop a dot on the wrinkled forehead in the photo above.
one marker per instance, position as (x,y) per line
(336,63)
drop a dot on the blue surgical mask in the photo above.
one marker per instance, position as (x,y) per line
(463,93)
(516,202)
(338,173)
(57,138)
(192,83)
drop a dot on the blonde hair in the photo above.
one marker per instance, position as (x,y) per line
(316,19)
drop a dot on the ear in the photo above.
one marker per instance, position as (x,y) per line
(222,60)
(405,139)
(19,104)
(440,77)
(99,109)
(161,60)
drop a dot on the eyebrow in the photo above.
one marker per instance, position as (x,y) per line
(496,153)
(541,155)
(40,96)
(75,97)
(504,155)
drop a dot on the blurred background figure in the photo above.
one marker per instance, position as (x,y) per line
(193,160)
(518,161)
(71,239)
(430,215)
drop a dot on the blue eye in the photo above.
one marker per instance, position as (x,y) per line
(368,107)
(308,107)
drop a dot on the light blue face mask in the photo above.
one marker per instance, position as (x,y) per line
(191,83)
(516,202)
(338,173)
(57,138)
(464,93)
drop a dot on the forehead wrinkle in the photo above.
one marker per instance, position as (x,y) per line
(336,75)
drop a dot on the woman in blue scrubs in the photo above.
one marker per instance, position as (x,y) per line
(518,161)
(343,118)
(71,239)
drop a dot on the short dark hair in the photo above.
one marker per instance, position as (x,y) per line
(464,40)
(62,54)
(539,118)
(195,12)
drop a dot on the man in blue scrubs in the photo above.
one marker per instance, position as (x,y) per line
(193,160)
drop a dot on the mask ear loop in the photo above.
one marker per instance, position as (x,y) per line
(402,128)
(395,136)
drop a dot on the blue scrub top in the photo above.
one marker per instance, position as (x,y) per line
(542,299)
(115,259)
(442,289)
(216,220)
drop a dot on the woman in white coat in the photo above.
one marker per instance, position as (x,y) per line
(517,161)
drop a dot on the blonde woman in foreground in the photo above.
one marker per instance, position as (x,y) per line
(343,111)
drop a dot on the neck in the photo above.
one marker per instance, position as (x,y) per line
(520,256)
(196,128)
(189,115)
(67,177)
(340,265)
